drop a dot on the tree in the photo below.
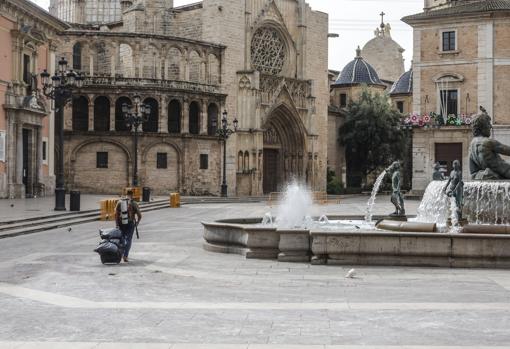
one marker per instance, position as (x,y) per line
(371,134)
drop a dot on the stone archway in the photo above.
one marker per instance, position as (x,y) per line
(284,149)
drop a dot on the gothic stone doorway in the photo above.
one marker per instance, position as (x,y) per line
(284,149)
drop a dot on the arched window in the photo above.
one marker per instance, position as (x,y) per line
(125,66)
(174,64)
(212,119)
(101,114)
(194,118)
(150,58)
(77,56)
(120,122)
(80,114)
(151,125)
(195,64)
(214,69)
(174,116)
(240,161)
(246,162)
(102,60)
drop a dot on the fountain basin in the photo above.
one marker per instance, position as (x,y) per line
(407,226)
(241,236)
(411,249)
(363,247)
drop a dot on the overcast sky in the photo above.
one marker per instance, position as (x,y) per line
(355,22)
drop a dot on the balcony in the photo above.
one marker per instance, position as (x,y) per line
(436,121)
(109,81)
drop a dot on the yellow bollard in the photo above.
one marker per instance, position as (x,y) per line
(175,200)
(137,192)
(107,209)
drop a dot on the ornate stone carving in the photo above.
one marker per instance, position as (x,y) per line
(267,51)
(271,86)
(271,137)
(244,82)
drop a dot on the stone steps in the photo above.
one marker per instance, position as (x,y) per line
(39,224)
(67,219)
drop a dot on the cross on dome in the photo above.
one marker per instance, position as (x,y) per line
(382,14)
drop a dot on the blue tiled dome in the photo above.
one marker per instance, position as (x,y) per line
(404,84)
(358,72)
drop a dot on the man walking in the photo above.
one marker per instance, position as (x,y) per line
(125,212)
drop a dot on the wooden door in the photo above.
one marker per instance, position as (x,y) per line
(446,153)
(271,175)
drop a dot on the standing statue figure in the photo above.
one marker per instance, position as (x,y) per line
(396,196)
(455,188)
(484,159)
(437,175)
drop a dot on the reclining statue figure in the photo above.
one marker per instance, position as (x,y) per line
(484,159)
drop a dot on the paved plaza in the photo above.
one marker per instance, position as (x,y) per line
(55,293)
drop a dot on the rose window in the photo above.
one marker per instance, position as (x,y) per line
(267,51)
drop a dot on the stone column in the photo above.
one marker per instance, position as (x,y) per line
(186,66)
(207,69)
(91,112)
(136,63)
(185,117)
(91,63)
(114,59)
(19,153)
(112,115)
(10,153)
(163,115)
(203,118)
(16,56)
(158,67)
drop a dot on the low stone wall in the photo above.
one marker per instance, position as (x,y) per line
(245,237)
(411,249)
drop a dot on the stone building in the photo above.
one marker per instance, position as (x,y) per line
(401,93)
(27,46)
(355,76)
(377,67)
(263,61)
(461,61)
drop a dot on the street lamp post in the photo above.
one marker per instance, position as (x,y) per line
(223,133)
(60,89)
(135,115)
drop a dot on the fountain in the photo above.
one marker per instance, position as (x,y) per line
(457,224)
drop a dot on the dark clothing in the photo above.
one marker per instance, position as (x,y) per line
(128,229)
(127,232)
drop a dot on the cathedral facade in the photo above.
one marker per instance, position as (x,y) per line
(264,62)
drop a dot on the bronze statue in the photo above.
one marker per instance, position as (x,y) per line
(437,175)
(455,188)
(484,159)
(396,196)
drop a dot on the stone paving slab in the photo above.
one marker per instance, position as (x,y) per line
(54,292)
(97,345)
